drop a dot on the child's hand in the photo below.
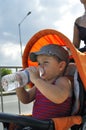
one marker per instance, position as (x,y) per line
(34,73)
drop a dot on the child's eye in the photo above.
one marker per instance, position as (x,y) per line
(46,62)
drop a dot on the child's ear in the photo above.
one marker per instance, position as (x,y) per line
(62,65)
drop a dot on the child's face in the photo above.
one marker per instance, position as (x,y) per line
(52,68)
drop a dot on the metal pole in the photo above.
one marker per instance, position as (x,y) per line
(19,27)
(2,107)
(20,39)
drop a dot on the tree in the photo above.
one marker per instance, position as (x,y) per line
(4,71)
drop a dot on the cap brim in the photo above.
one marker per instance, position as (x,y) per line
(33,56)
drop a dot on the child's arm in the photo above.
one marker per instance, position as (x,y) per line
(57,93)
(26,96)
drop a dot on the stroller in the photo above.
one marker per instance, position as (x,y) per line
(77,119)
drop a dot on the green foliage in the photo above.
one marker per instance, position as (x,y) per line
(4,71)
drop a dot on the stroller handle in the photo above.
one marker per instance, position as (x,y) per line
(26,121)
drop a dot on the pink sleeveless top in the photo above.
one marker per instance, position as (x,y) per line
(45,109)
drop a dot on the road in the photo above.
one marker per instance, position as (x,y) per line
(11,106)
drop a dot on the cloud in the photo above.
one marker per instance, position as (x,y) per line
(59,15)
(10,54)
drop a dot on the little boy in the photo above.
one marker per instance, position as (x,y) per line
(52,90)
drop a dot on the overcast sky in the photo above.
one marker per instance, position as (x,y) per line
(55,14)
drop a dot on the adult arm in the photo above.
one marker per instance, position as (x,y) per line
(76,39)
